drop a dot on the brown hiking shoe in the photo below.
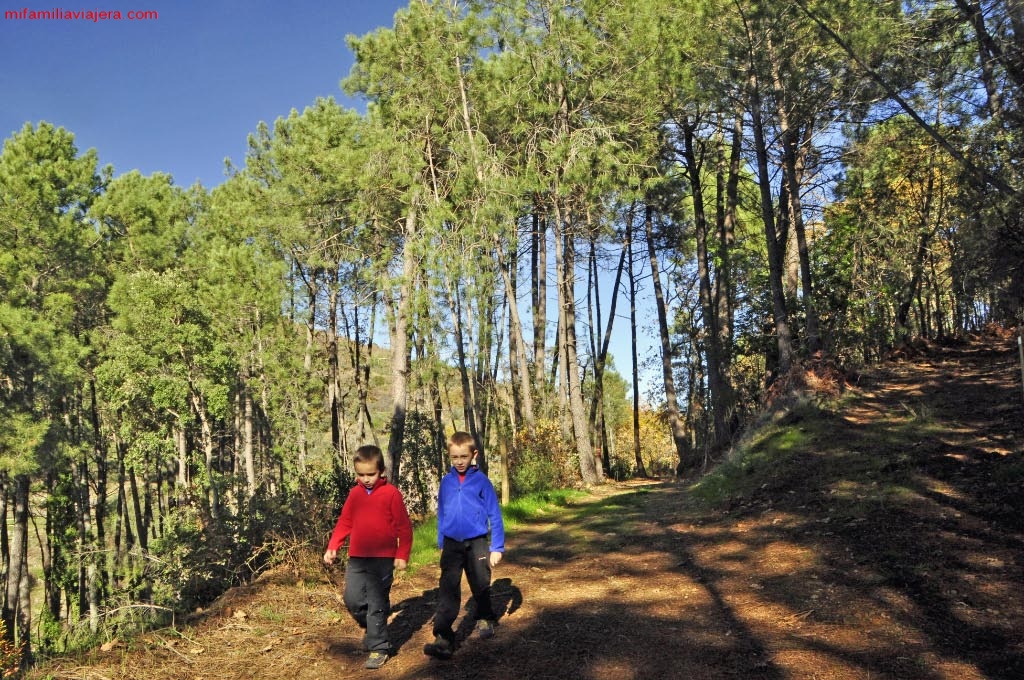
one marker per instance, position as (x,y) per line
(439,648)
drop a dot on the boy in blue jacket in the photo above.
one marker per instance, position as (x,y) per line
(467,509)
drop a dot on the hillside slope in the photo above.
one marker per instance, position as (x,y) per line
(882,539)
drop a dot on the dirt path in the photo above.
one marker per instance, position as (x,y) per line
(891,547)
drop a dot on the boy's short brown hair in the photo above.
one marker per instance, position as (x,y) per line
(462,439)
(368,453)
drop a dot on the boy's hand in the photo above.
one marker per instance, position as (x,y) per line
(495,558)
(400,565)
(329,556)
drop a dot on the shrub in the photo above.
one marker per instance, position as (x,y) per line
(10,655)
(417,470)
(197,559)
(542,460)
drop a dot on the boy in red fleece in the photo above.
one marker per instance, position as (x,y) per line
(375,521)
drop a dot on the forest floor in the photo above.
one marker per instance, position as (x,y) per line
(884,538)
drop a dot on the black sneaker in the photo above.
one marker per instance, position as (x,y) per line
(440,648)
(376,660)
(485,629)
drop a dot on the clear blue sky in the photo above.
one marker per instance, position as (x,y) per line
(178,93)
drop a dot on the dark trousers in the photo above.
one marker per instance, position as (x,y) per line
(471,557)
(368,597)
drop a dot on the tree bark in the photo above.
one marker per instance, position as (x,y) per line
(400,347)
(206,436)
(792,177)
(717,381)
(635,364)
(16,614)
(539,292)
(783,335)
(455,303)
(248,436)
(589,471)
(516,340)
(683,450)
(601,356)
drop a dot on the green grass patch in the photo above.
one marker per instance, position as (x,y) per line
(809,450)
(535,505)
(772,449)
(424,543)
(532,506)
(270,614)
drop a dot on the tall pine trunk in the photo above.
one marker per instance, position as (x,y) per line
(783,334)
(16,613)
(635,364)
(400,346)
(516,340)
(206,437)
(601,353)
(717,380)
(539,296)
(564,265)
(683,450)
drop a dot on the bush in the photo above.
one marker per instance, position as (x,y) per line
(417,470)
(198,559)
(10,655)
(542,460)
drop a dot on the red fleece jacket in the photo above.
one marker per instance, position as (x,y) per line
(376,523)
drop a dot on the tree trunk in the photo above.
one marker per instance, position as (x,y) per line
(248,436)
(99,501)
(307,367)
(442,462)
(51,549)
(593,326)
(181,445)
(564,264)
(539,296)
(717,381)
(16,613)
(601,353)
(792,177)
(141,525)
(560,368)
(122,525)
(628,251)
(206,435)
(724,292)
(491,334)
(987,55)
(361,368)
(455,303)
(806,281)
(516,339)
(783,335)
(333,382)
(5,544)
(84,522)
(400,347)
(683,450)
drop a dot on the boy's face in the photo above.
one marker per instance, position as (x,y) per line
(367,474)
(462,457)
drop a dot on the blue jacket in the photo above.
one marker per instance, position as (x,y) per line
(469,509)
